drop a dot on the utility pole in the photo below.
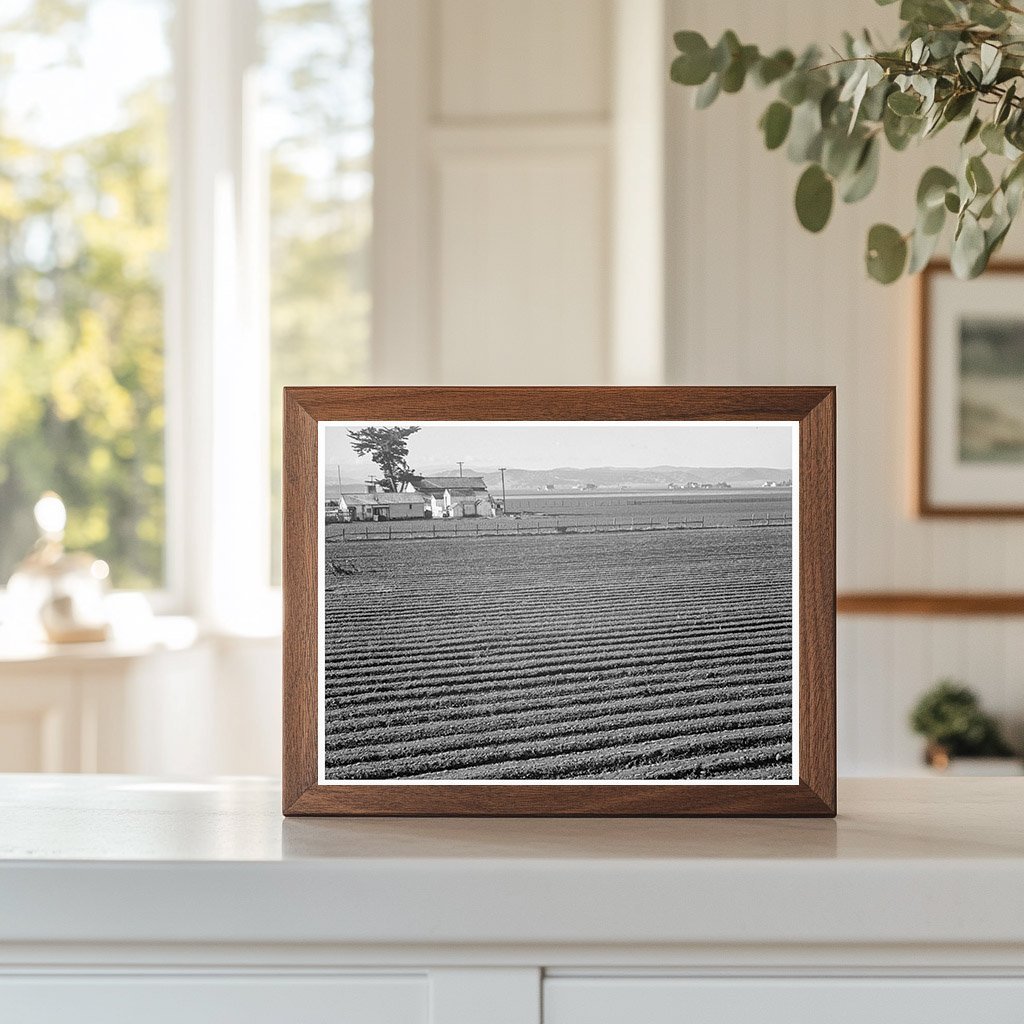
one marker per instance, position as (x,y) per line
(460,470)
(501,469)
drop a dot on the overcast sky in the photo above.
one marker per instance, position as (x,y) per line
(484,446)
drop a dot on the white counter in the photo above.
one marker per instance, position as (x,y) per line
(916,879)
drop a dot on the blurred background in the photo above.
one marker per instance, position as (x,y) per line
(202,201)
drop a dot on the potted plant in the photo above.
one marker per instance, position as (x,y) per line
(956,62)
(950,718)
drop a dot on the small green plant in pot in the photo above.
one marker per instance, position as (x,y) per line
(950,718)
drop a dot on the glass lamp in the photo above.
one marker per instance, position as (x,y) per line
(55,595)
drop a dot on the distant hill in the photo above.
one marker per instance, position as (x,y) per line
(604,478)
(348,484)
(614,478)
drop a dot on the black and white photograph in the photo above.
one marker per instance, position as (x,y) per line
(581,602)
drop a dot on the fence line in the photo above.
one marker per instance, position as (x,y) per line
(362,532)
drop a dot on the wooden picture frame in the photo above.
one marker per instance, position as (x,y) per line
(941,489)
(810,791)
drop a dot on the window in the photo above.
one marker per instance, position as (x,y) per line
(83,235)
(145,182)
(317,118)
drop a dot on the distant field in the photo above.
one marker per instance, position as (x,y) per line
(723,503)
(547,512)
(641,655)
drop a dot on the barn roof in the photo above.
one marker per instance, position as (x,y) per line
(384,498)
(463,492)
(440,483)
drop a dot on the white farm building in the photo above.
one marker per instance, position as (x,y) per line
(453,496)
(382,505)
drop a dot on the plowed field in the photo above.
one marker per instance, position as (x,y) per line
(662,655)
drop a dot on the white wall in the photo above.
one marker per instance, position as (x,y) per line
(501,152)
(754,299)
(514,176)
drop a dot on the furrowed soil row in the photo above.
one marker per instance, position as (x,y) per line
(751,655)
(608,588)
(528,741)
(514,680)
(603,696)
(379,616)
(497,719)
(775,755)
(513,689)
(607,692)
(589,753)
(538,619)
(540,616)
(394,649)
(529,649)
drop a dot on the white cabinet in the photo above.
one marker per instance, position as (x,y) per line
(216,1000)
(652,1000)
(127,899)
(98,708)
(173,704)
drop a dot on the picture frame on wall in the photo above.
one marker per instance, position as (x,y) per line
(970,383)
(559,601)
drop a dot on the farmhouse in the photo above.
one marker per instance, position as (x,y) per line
(454,496)
(382,505)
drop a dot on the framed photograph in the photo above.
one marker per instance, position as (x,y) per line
(970,450)
(559,601)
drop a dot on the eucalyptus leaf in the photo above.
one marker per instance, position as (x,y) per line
(724,51)
(691,70)
(707,93)
(958,105)
(814,196)
(968,248)
(931,190)
(794,88)
(805,133)
(973,130)
(922,248)
(775,124)
(991,60)
(987,15)
(865,174)
(904,103)
(933,122)
(873,106)
(827,106)
(1005,105)
(931,222)
(978,176)
(771,69)
(900,130)
(735,74)
(840,152)
(993,138)
(886,253)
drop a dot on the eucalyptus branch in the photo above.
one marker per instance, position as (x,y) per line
(955,59)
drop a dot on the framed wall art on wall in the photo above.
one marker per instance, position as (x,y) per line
(559,601)
(970,444)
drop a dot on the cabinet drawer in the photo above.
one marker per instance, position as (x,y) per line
(201,999)
(782,1001)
